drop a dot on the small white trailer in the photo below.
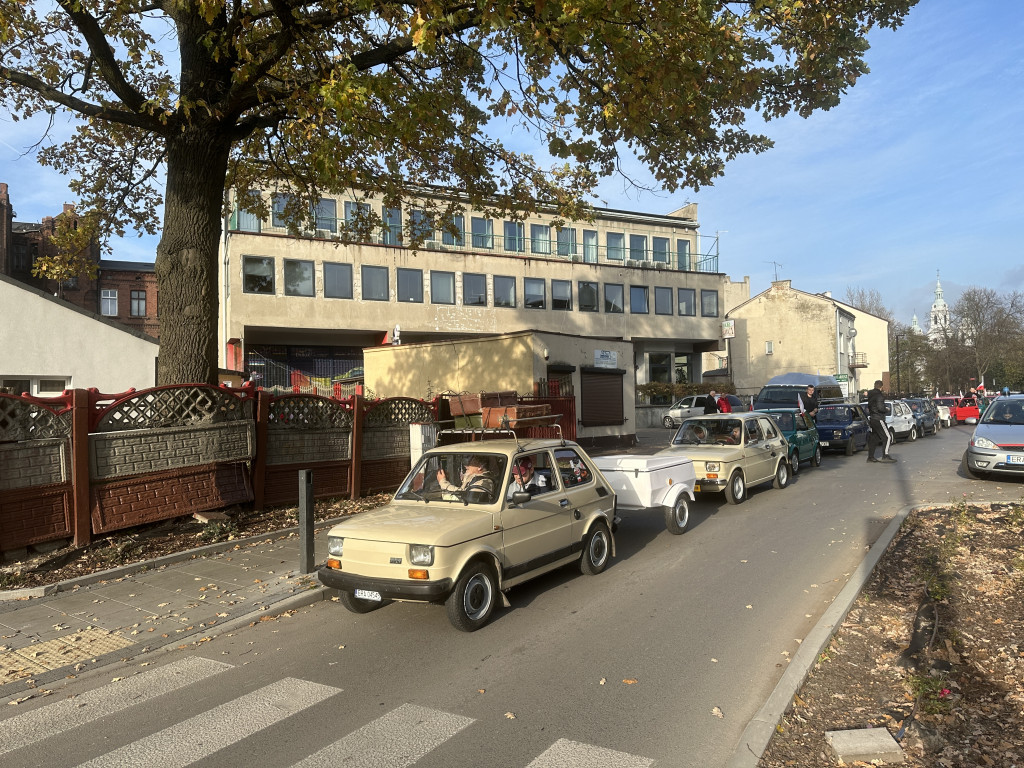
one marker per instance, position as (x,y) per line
(646,482)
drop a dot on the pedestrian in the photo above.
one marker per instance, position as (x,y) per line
(810,401)
(879,434)
(724,406)
(711,403)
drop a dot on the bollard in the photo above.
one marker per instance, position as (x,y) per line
(305,521)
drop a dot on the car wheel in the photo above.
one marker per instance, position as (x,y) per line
(794,463)
(597,550)
(913,434)
(358,605)
(677,517)
(668,423)
(781,475)
(816,458)
(952,421)
(472,601)
(736,490)
(850,446)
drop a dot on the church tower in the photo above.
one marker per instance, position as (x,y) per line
(939,321)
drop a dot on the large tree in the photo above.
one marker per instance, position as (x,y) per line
(333,95)
(989,325)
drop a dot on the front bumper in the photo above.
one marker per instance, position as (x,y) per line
(702,484)
(389,589)
(986,460)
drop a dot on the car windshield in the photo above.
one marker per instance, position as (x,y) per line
(709,432)
(1004,413)
(467,478)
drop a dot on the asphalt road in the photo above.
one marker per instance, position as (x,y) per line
(661,660)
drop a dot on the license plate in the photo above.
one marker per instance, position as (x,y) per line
(696,488)
(823,443)
(1011,459)
(365,594)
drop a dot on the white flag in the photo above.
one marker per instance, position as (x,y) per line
(800,402)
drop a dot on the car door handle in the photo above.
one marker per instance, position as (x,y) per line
(563,503)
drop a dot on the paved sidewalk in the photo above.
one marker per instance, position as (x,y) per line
(106,617)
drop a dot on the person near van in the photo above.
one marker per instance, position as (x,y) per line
(810,400)
(879,434)
(711,403)
(724,406)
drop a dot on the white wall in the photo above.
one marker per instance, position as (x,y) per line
(42,337)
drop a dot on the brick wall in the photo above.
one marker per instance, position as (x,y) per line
(32,516)
(36,462)
(136,452)
(291,446)
(124,282)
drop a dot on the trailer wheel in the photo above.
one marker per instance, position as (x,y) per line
(677,517)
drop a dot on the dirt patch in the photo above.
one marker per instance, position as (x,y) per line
(932,650)
(151,541)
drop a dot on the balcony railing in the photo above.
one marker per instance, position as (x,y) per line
(859,360)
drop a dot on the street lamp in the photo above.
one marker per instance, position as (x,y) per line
(899,387)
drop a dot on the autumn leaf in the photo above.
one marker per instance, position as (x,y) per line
(718,713)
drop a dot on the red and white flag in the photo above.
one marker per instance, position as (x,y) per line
(800,403)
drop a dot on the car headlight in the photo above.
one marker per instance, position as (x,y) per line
(712,466)
(983,442)
(421,554)
(335,544)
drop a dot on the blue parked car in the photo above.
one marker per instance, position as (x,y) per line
(923,415)
(843,427)
(799,430)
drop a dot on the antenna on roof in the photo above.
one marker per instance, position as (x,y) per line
(777,265)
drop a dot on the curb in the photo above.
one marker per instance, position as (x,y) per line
(755,737)
(145,565)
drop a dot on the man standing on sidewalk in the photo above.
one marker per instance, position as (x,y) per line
(879,432)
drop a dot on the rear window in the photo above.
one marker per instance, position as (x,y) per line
(836,413)
(770,397)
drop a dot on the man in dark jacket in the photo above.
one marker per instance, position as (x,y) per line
(810,401)
(711,403)
(879,432)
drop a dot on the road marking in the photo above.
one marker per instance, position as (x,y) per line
(396,740)
(30,727)
(200,736)
(573,754)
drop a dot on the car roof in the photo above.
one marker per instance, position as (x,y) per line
(506,446)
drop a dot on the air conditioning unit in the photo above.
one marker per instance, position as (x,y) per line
(432,245)
(634,264)
(660,265)
(646,265)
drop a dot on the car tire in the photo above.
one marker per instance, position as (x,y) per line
(736,490)
(913,434)
(816,456)
(781,475)
(851,446)
(357,604)
(794,463)
(677,517)
(472,602)
(667,422)
(597,550)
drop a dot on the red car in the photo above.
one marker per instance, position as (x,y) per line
(960,408)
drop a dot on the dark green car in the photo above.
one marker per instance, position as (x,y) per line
(801,433)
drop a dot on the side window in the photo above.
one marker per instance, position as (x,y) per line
(532,473)
(769,429)
(572,469)
(753,431)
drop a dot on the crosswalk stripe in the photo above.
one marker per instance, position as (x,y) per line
(200,736)
(573,754)
(398,739)
(30,727)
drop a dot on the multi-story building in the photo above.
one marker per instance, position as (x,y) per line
(124,291)
(302,309)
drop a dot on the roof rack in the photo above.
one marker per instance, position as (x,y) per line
(495,433)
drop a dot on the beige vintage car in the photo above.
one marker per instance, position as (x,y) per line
(471,521)
(733,451)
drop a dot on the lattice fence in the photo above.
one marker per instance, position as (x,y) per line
(177,406)
(308,412)
(21,420)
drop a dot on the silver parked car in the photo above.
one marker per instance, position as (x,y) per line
(693,405)
(997,445)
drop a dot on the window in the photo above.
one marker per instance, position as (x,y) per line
(659,246)
(410,285)
(683,253)
(442,287)
(561,295)
(298,278)
(540,238)
(138,306)
(458,237)
(504,291)
(357,220)
(659,369)
(587,292)
(257,274)
(566,242)
(638,247)
(375,283)
(614,298)
(108,302)
(483,232)
(663,301)
(687,300)
(534,293)
(18,386)
(71,284)
(515,236)
(616,246)
(22,263)
(572,469)
(247,221)
(769,347)
(638,300)
(279,201)
(327,215)
(391,234)
(337,281)
(590,246)
(708,303)
(474,290)
(55,386)
(420,227)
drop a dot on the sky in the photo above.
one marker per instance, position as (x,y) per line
(919,171)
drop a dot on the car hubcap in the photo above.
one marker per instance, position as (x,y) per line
(682,513)
(737,488)
(478,596)
(598,548)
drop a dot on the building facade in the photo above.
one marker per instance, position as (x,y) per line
(301,310)
(784,329)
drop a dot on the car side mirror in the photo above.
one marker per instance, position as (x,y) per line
(521,497)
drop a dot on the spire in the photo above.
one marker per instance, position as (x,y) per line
(938,288)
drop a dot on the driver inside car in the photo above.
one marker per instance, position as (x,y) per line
(477,481)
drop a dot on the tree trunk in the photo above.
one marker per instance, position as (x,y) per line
(186,257)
